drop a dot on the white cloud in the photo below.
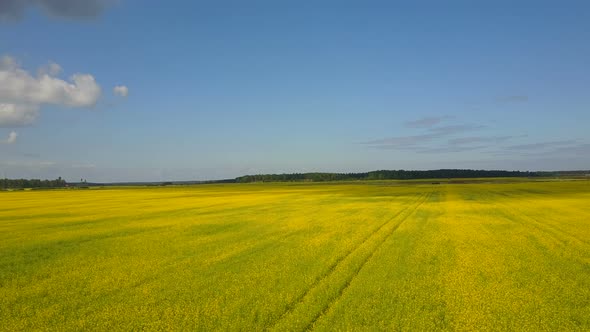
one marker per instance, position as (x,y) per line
(18,86)
(13,115)
(121,91)
(11,138)
(51,69)
(22,94)
(8,63)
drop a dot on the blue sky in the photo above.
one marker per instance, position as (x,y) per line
(222,89)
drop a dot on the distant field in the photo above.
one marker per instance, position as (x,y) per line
(512,256)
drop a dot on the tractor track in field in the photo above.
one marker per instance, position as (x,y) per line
(555,232)
(334,266)
(337,262)
(364,262)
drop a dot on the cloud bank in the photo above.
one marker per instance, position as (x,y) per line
(15,9)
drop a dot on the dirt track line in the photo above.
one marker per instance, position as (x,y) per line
(364,262)
(337,262)
(557,233)
(318,283)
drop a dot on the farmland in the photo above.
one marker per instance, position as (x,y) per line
(298,256)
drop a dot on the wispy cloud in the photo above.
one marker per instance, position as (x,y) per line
(11,138)
(121,91)
(401,140)
(427,122)
(15,9)
(84,166)
(540,145)
(451,149)
(412,141)
(454,129)
(451,138)
(580,149)
(480,139)
(36,164)
(565,148)
(513,99)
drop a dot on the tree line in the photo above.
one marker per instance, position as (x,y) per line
(32,183)
(311,177)
(384,175)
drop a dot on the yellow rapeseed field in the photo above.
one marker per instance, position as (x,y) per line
(279,257)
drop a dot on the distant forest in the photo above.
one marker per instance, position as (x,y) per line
(388,175)
(33,183)
(8,184)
